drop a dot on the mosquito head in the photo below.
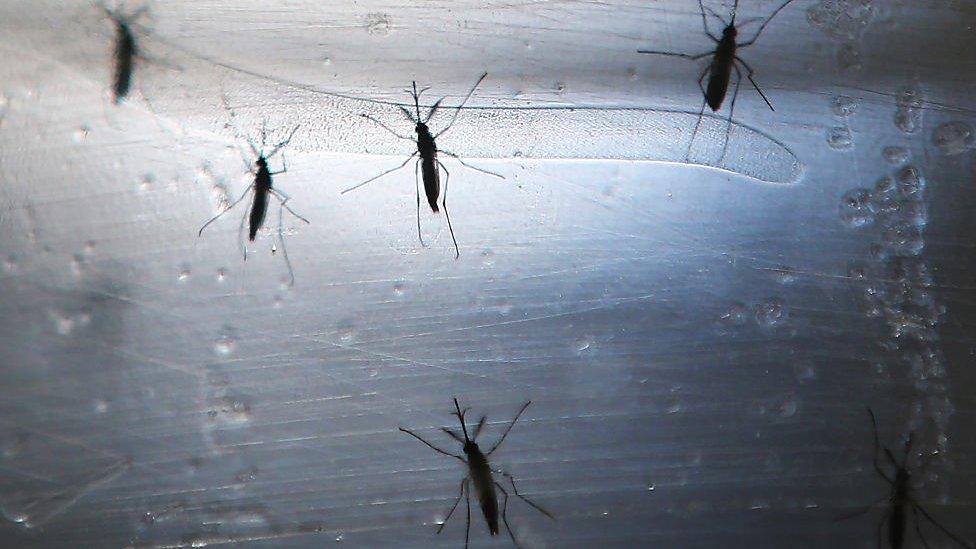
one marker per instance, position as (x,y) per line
(261,162)
(730,31)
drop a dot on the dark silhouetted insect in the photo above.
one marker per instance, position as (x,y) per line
(480,475)
(126,51)
(724,59)
(428,163)
(262,187)
(900,500)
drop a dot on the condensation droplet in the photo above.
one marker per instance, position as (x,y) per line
(100,406)
(903,239)
(788,408)
(327,61)
(651,487)
(184,274)
(221,274)
(855,208)
(839,138)
(895,156)
(226,342)
(80,134)
(910,183)
(736,314)
(771,312)
(954,138)
(338,537)
(843,106)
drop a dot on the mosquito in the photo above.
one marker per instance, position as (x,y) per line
(480,475)
(725,59)
(126,51)
(427,161)
(262,187)
(901,500)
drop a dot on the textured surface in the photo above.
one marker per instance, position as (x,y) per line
(699,344)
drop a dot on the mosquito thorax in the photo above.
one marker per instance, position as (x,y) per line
(730,32)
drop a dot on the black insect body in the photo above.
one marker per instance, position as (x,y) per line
(262,188)
(725,59)
(480,472)
(900,500)
(126,52)
(428,164)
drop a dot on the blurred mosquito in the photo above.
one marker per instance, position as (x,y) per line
(480,475)
(719,71)
(126,51)
(901,499)
(427,151)
(262,187)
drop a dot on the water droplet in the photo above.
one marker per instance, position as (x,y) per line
(221,274)
(651,487)
(583,343)
(347,330)
(954,138)
(10,264)
(100,406)
(77,265)
(855,208)
(80,134)
(229,410)
(788,408)
(884,198)
(674,405)
(910,183)
(338,537)
(326,62)
(843,106)
(903,239)
(399,288)
(839,138)
(771,312)
(148,518)
(184,274)
(908,120)
(895,155)
(784,274)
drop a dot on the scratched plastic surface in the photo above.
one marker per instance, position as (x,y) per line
(699,339)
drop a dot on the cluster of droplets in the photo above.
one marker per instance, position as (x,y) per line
(844,21)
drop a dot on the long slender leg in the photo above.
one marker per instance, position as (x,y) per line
(464,482)
(406,113)
(681,55)
(227,209)
(936,523)
(763,26)
(728,124)
(453,435)
(284,166)
(283,143)
(284,198)
(457,110)
(374,178)
(505,515)
(467,523)
(708,32)
(534,505)
(385,127)
(469,166)
(240,232)
(431,446)
(859,512)
(416,180)
(701,112)
(509,428)
(447,215)
(284,250)
(881,523)
(433,109)
(749,74)
(918,529)
(877,449)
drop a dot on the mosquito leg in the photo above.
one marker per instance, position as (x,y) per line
(284,166)
(481,425)
(728,124)
(457,110)
(701,113)
(240,234)
(281,144)
(453,435)
(681,55)
(385,127)
(227,209)
(749,74)
(284,198)
(938,525)
(284,250)
(509,428)
(708,32)
(416,180)
(763,26)
(374,178)
(431,446)
(447,215)
(464,482)
(877,449)
(433,109)
(469,166)
(918,529)
(534,505)
(884,520)
(467,522)
(508,528)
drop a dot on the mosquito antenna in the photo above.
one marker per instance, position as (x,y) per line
(766,22)
(735,9)
(460,416)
